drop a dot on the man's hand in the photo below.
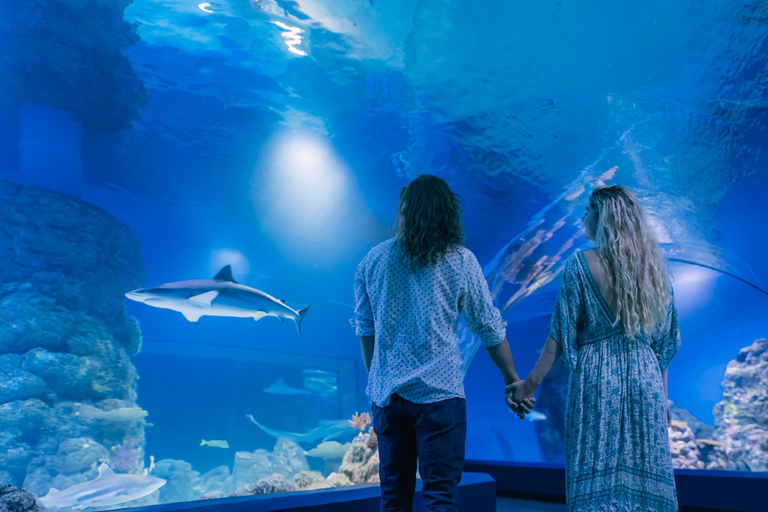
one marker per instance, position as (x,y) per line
(519,397)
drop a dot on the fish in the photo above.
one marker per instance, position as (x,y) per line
(279,387)
(220,296)
(535,416)
(710,442)
(119,414)
(108,489)
(329,450)
(321,382)
(214,444)
(325,431)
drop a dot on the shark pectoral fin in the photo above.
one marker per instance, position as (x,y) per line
(258,316)
(204,299)
(51,492)
(105,471)
(193,317)
(281,319)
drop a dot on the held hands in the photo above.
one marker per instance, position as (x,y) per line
(519,397)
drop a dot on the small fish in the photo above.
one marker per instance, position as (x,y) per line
(119,414)
(679,424)
(214,444)
(710,442)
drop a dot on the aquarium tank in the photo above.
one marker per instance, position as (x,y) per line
(154,153)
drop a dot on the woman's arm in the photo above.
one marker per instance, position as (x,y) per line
(666,395)
(525,389)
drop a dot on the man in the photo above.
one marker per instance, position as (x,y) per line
(409,294)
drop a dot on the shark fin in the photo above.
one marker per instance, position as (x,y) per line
(281,319)
(192,317)
(51,492)
(205,299)
(259,315)
(105,471)
(299,318)
(282,300)
(225,274)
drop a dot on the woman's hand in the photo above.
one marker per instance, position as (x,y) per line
(519,396)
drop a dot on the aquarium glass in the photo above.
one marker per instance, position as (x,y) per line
(154,153)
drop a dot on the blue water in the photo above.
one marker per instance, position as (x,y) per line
(218,140)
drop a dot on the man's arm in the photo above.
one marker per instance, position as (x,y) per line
(501,356)
(366,348)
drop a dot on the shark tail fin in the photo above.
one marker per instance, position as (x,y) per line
(299,318)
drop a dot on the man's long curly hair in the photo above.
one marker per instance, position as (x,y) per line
(429,221)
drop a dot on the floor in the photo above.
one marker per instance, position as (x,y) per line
(514,505)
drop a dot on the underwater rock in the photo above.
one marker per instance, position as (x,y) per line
(270,484)
(79,455)
(682,444)
(338,480)
(713,454)
(18,384)
(700,429)
(361,463)
(83,378)
(63,323)
(79,46)
(286,459)
(183,482)
(217,483)
(13,499)
(310,481)
(741,417)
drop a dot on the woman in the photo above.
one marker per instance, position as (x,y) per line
(616,325)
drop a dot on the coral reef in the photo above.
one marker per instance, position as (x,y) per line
(682,444)
(268,485)
(65,340)
(69,54)
(13,499)
(361,463)
(741,417)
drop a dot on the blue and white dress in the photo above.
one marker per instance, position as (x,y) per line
(617,446)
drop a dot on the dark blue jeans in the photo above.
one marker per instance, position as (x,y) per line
(435,434)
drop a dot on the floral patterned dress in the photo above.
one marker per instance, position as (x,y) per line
(617,445)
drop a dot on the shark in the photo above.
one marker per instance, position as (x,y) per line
(108,489)
(325,431)
(119,414)
(280,387)
(220,296)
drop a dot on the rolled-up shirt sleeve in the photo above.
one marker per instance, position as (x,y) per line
(483,318)
(363,320)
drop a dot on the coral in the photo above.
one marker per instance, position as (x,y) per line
(13,499)
(361,462)
(125,457)
(338,480)
(741,417)
(360,421)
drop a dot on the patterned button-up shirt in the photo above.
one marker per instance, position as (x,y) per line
(414,318)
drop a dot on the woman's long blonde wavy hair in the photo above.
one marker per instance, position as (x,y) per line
(631,258)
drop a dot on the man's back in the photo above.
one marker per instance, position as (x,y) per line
(414,316)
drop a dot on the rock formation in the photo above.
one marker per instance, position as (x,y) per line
(741,417)
(65,340)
